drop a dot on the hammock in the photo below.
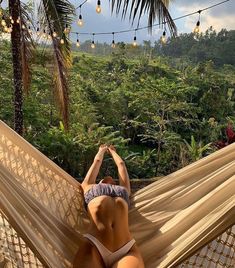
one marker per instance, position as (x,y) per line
(186,219)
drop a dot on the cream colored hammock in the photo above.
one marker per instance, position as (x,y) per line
(185,219)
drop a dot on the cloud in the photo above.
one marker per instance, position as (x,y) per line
(222,16)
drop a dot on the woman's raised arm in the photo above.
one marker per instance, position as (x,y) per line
(122,170)
(95,167)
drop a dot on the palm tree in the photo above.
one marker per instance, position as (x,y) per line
(156,9)
(54,15)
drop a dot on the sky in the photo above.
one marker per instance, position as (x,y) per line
(222,16)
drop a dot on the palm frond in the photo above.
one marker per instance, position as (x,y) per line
(27,48)
(55,16)
(156,9)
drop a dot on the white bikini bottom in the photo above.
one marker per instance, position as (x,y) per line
(109,257)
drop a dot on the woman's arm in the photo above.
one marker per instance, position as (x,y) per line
(95,167)
(122,170)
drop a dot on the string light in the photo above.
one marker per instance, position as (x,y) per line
(66,29)
(12,21)
(163,37)
(62,41)
(197,28)
(3,22)
(38,30)
(54,34)
(113,45)
(98,7)
(78,43)
(134,40)
(44,35)
(80,21)
(93,42)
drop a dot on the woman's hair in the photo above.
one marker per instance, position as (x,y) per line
(108,179)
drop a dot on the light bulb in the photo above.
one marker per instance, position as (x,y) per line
(197,28)
(66,29)
(54,34)
(5,29)
(80,21)
(78,43)
(98,8)
(62,41)
(9,30)
(12,21)
(44,34)
(134,42)
(49,37)
(29,30)
(163,38)
(92,44)
(38,31)
(18,20)
(3,23)
(23,26)
(113,44)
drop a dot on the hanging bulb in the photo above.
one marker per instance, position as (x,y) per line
(23,26)
(12,21)
(98,7)
(113,45)
(29,30)
(54,34)
(163,38)
(78,43)
(44,35)
(5,29)
(92,44)
(3,22)
(62,41)
(10,29)
(134,42)
(197,28)
(18,20)
(38,31)
(66,29)
(49,37)
(80,21)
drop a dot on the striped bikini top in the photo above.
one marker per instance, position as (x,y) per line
(106,189)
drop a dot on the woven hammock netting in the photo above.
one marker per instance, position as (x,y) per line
(186,219)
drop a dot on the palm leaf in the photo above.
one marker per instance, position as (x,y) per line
(54,16)
(154,8)
(27,47)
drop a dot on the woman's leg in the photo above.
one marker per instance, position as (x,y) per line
(87,256)
(132,259)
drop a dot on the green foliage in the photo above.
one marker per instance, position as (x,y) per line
(197,149)
(146,107)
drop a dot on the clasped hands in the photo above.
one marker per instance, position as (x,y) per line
(106,149)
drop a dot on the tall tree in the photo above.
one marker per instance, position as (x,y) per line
(54,16)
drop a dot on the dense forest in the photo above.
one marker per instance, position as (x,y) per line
(163,107)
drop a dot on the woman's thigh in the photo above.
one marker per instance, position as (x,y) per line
(132,259)
(87,256)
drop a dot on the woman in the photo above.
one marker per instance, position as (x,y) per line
(108,242)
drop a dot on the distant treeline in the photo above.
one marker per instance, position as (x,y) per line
(211,45)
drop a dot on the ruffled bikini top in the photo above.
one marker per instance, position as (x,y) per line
(106,189)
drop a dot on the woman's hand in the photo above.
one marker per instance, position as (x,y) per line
(103,148)
(111,149)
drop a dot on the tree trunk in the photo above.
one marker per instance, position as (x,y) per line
(14,7)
